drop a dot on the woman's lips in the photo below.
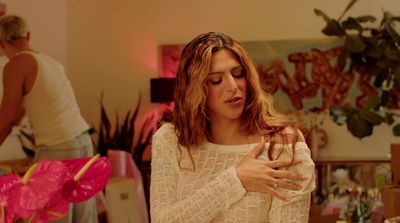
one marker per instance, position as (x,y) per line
(234,101)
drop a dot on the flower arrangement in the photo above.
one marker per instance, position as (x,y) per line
(46,190)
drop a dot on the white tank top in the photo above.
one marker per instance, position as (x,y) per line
(51,105)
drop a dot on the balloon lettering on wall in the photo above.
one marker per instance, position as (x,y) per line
(334,85)
(308,70)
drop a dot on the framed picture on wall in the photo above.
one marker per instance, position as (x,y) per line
(2,8)
(2,12)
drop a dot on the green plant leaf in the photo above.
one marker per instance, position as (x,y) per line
(351,23)
(358,126)
(342,58)
(374,70)
(396,75)
(371,117)
(366,18)
(392,32)
(121,135)
(389,119)
(393,54)
(333,28)
(376,49)
(348,7)
(396,130)
(374,52)
(371,103)
(385,98)
(379,79)
(382,63)
(339,114)
(322,14)
(354,44)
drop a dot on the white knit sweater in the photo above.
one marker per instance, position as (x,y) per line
(212,192)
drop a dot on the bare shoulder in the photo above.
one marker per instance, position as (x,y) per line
(21,64)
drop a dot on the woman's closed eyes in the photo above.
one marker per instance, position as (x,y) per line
(216,78)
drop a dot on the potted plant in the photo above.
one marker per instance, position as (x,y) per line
(373,52)
(121,135)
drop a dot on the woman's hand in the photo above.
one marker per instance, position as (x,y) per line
(264,176)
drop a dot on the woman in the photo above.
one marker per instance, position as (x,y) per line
(228,156)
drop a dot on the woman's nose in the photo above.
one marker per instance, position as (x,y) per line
(231,84)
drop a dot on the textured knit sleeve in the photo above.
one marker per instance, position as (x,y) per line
(295,211)
(203,204)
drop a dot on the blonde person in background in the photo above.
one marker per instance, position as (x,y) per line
(36,84)
(227,156)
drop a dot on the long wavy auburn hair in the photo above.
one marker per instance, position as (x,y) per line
(190,117)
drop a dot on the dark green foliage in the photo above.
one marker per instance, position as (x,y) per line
(376,49)
(121,135)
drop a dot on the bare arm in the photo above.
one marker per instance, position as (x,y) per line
(13,91)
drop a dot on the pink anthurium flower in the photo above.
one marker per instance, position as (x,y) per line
(90,175)
(41,182)
(6,182)
(56,208)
